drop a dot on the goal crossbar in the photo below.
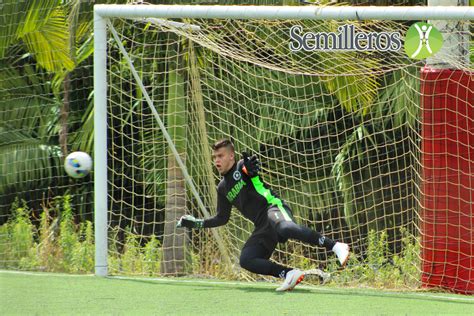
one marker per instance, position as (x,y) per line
(287,12)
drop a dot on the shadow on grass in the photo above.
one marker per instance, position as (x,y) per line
(203,285)
(209,285)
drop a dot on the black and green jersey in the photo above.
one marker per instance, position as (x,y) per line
(249,195)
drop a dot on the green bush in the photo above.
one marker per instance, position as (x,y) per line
(409,262)
(84,251)
(131,261)
(152,257)
(17,239)
(68,239)
(379,267)
(56,244)
(47,250)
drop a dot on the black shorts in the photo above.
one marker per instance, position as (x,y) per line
(266,234)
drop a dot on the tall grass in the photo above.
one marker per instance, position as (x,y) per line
(55,242)
(380,268)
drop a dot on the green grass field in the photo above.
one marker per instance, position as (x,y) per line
(52,294)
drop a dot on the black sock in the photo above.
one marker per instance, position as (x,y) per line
(283,272)
(326,242)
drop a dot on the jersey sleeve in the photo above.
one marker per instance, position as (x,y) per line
(223,212)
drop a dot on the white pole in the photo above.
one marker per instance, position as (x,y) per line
(285,12)
(100,145)
(455,50)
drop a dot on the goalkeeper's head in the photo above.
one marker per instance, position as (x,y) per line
(223,155)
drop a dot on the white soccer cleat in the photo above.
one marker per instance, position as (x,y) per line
(342,252)
(292,279)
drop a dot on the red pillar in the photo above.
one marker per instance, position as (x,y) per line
(447,191)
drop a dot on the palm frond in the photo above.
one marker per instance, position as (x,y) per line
(11,19)
(352,150)
(398,103)
(47,39)
(26,161)
(83,138)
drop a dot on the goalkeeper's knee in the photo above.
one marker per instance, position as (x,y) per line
(246,263)
(286,230)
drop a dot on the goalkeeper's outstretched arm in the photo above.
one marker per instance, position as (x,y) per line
(221,218)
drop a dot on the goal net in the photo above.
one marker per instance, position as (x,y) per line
(364,143)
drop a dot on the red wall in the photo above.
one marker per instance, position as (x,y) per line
(447,197)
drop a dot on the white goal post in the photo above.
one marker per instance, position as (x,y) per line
(102,13)
(286,12)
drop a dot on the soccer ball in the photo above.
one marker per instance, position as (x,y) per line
(78,164)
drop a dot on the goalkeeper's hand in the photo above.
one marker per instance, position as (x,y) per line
(251,165)
(189,221)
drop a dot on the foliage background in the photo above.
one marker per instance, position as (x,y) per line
(46,111)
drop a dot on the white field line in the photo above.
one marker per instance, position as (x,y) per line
(355,291)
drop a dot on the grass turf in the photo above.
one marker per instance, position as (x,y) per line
(52,294)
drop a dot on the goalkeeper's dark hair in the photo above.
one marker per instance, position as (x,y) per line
(227,143)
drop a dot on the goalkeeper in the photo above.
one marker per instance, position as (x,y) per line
(242,187)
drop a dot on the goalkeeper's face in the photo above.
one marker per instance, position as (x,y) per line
(224,159)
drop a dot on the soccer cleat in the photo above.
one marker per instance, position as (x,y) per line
(342,252)
(292,279)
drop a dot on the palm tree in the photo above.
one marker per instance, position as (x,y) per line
(173,244)
(37,54)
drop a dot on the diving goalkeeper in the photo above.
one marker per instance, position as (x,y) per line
(242,187)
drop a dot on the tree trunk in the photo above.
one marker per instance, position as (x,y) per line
(174,240)
(64,113)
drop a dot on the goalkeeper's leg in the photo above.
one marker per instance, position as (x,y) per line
(286,228)
(255,258)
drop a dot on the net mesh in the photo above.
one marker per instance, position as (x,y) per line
(339,134)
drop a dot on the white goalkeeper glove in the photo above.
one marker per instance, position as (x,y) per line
(189,221)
